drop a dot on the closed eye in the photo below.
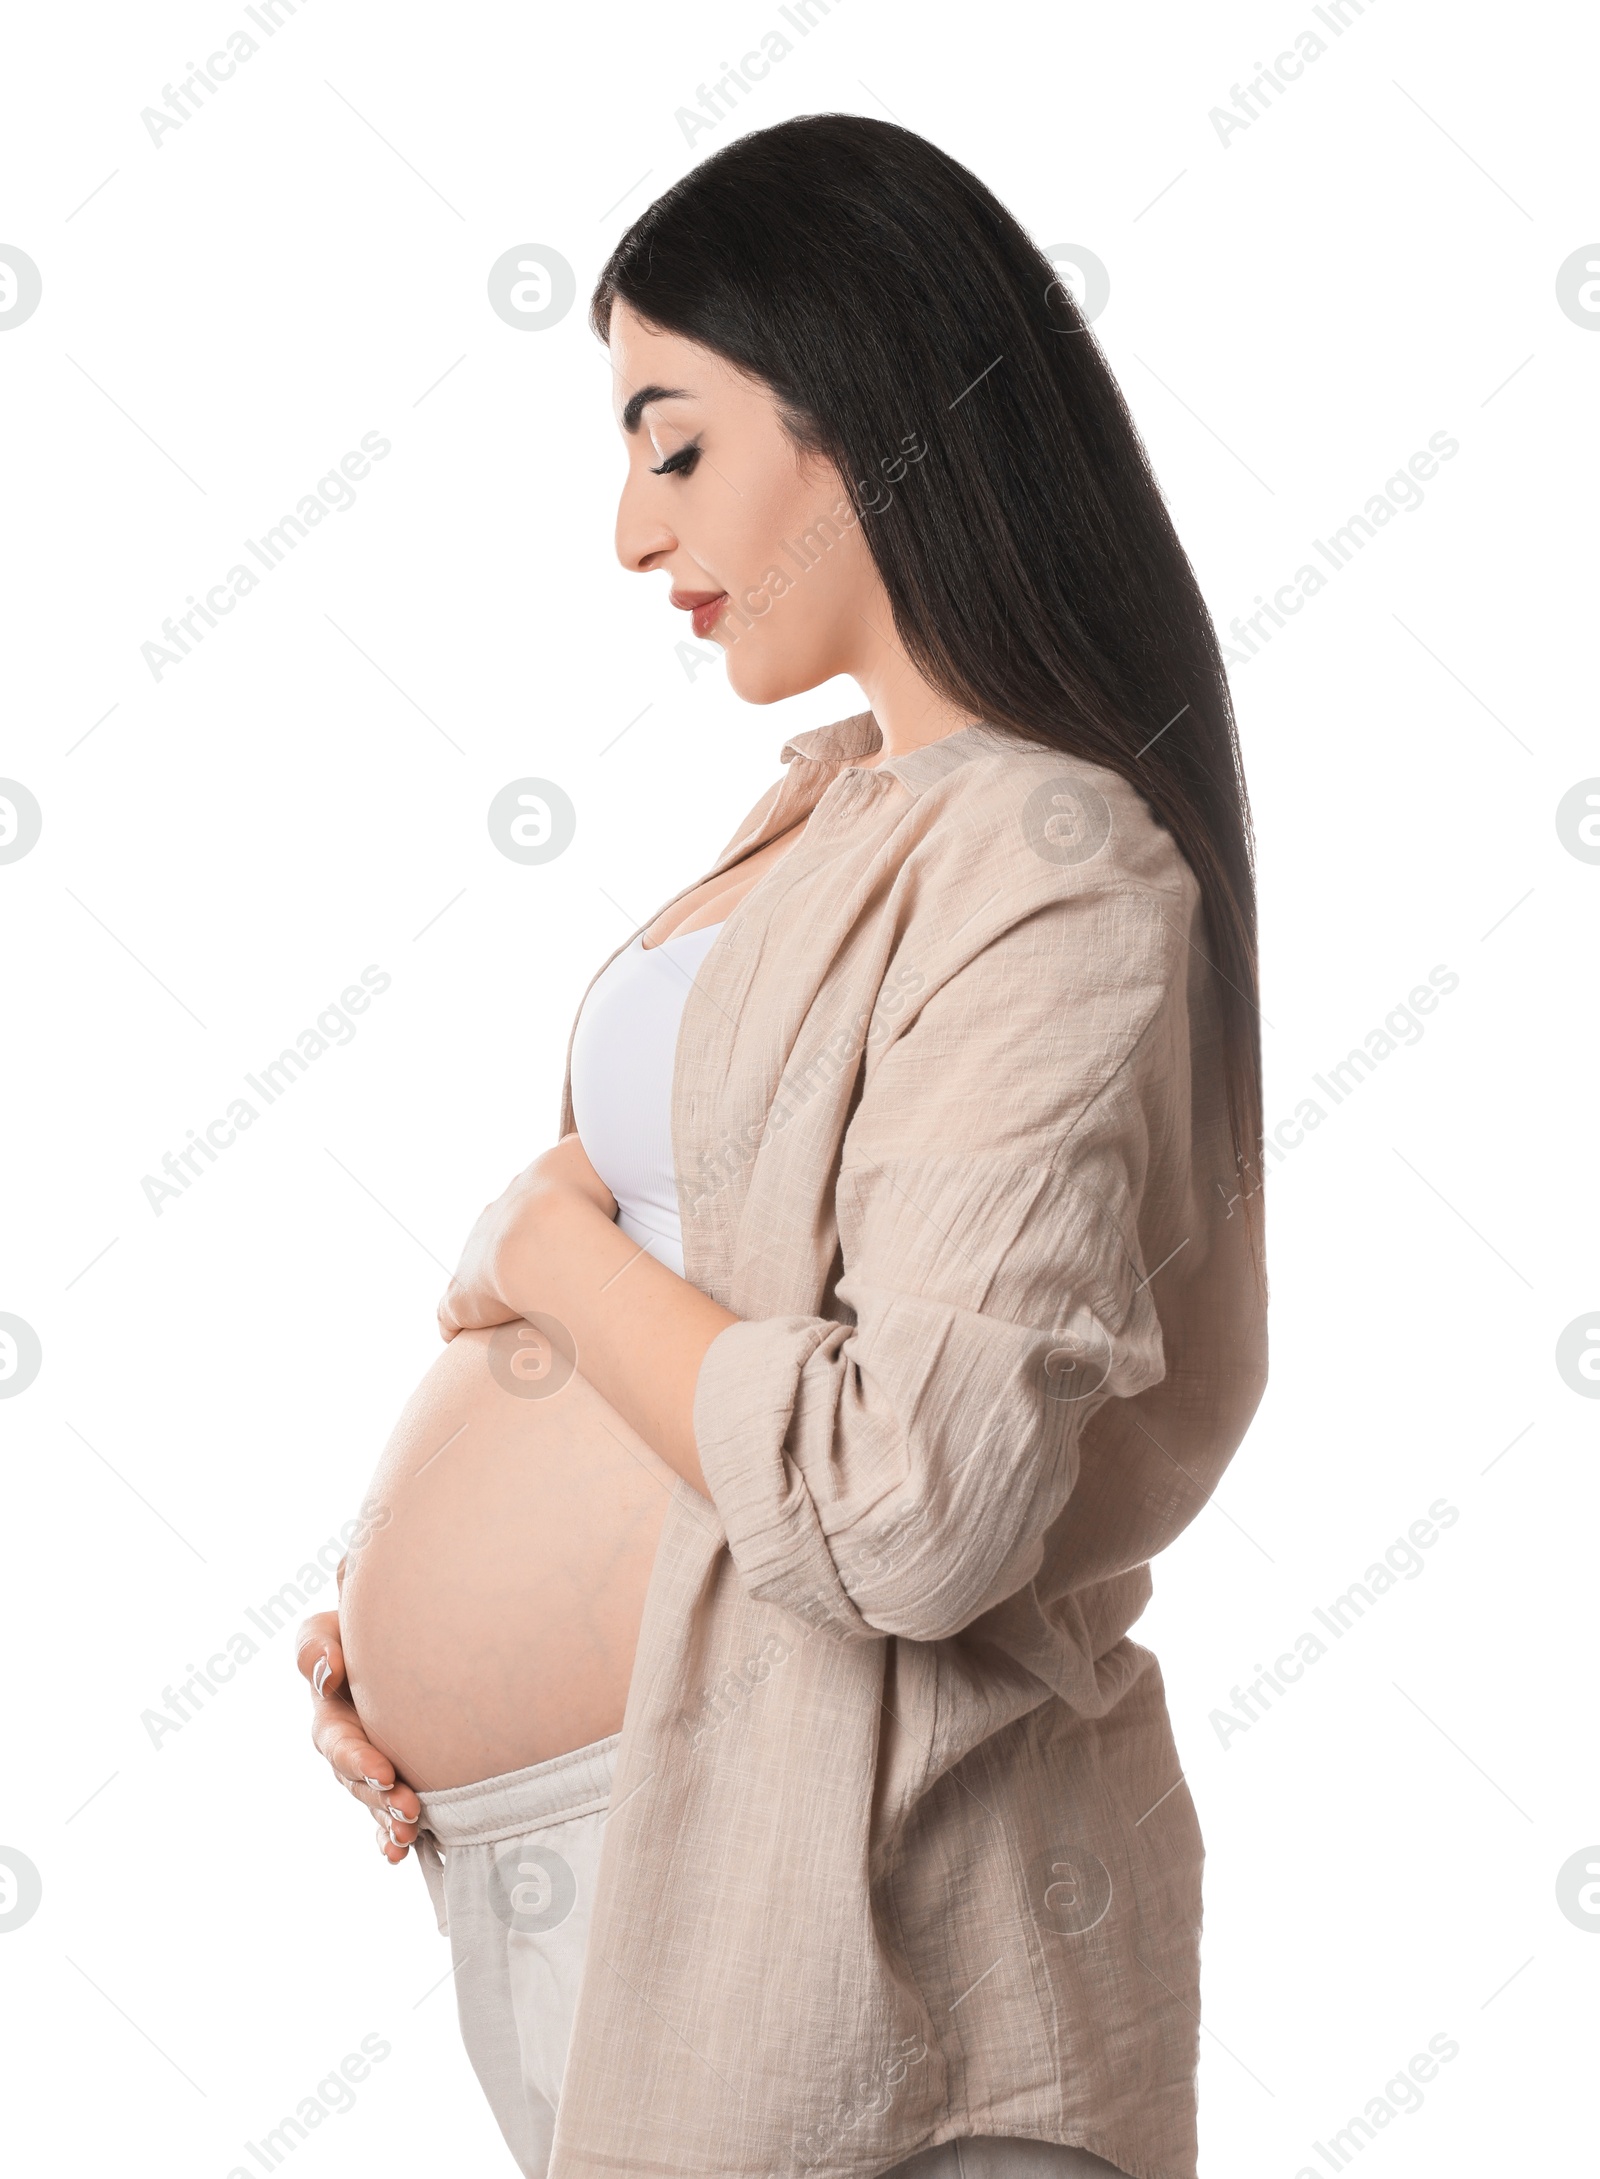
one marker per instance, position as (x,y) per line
(680,464)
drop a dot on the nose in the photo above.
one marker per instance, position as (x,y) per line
(643,538)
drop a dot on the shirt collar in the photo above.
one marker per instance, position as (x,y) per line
(833,747)
(857,736)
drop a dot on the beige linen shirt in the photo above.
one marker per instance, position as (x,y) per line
(899,1847)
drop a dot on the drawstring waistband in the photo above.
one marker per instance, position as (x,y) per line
(511,1806)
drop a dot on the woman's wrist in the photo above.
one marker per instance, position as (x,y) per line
(568,1166)
(532,1271)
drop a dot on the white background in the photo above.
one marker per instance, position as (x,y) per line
(1292,315)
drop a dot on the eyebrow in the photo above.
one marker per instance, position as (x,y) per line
(640,401)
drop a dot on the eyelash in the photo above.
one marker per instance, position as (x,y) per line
(680,464)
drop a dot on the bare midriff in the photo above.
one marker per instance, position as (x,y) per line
(490,1618)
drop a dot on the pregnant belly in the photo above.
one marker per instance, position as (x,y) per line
(490,1618)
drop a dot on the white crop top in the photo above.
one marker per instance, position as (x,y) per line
(622,1058)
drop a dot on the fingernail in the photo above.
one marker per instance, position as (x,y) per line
(376,1784)
(395,1814)
(319,1678)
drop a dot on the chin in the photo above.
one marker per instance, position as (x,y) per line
(767,680)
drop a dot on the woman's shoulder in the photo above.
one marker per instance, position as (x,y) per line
(1037,818)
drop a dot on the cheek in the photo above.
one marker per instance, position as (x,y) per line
(769,532)
(834,568)
(760,530)
(793,633)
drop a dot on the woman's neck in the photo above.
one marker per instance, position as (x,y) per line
(908,710)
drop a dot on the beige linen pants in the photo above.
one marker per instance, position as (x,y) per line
(511,1865)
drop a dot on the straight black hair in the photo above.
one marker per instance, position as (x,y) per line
(1035,576)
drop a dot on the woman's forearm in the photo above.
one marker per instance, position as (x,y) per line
(640,1331)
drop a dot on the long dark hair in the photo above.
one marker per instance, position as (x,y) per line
(1035,576)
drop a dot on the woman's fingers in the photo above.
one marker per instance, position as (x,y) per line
(454,1311)
(317,1653)
(470,1309)
(337,1735)
(364,1772)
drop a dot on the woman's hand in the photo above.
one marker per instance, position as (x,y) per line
(506,1238)
(336,1733)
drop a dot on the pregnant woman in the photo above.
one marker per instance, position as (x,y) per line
(742,1635)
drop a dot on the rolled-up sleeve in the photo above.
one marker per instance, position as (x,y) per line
(897,1471)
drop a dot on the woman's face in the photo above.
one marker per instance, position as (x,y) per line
(760,541)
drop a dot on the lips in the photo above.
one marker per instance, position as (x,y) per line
(704,607)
